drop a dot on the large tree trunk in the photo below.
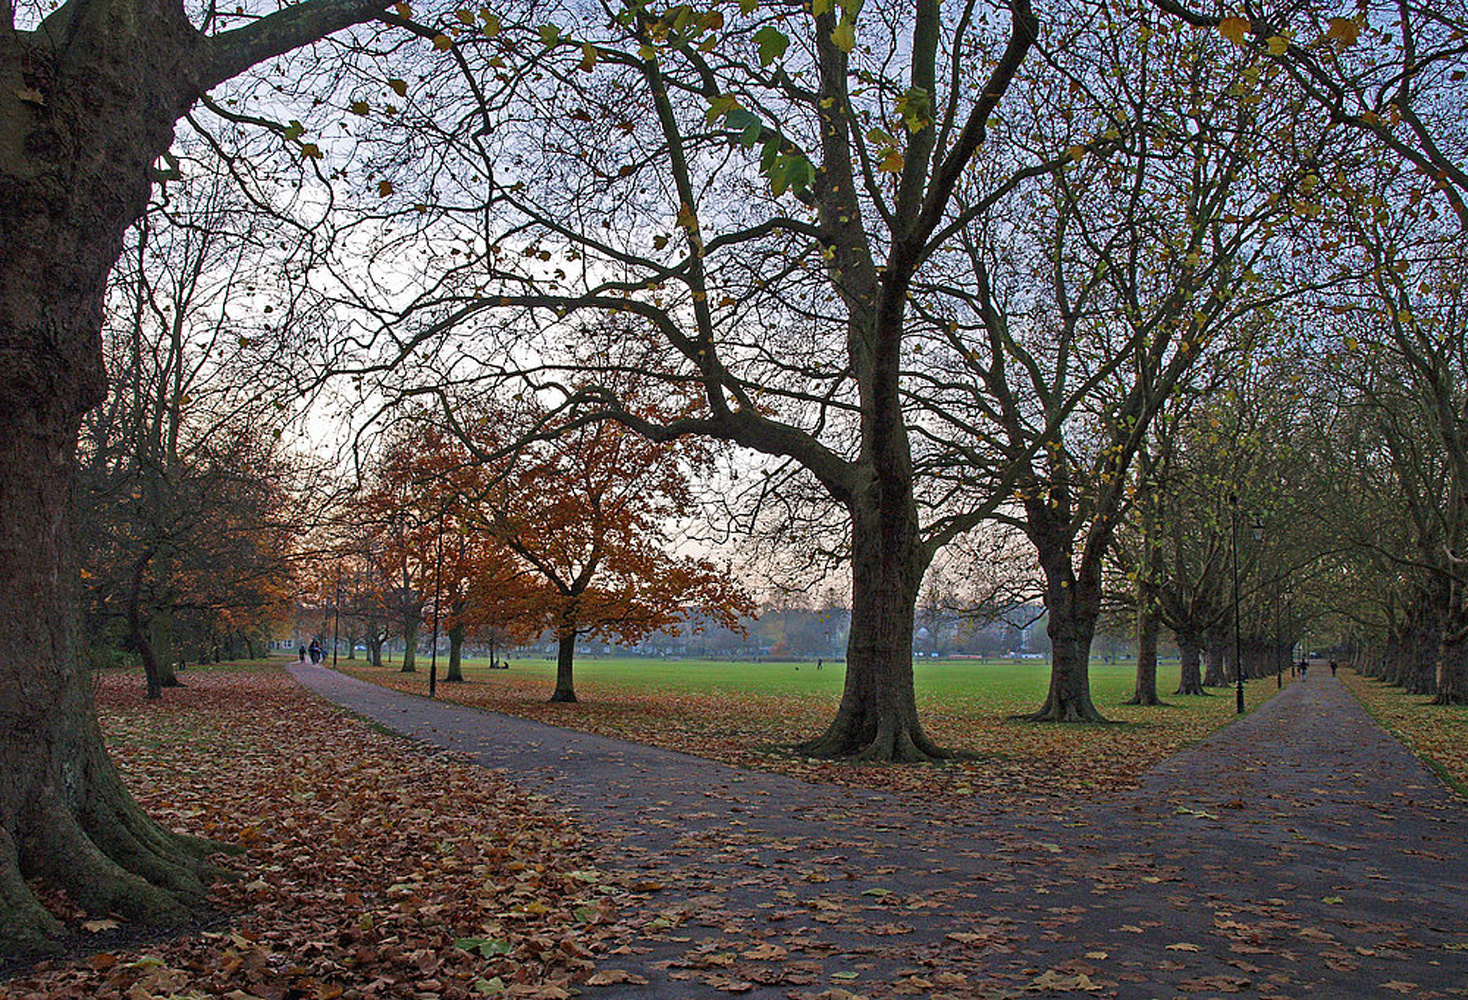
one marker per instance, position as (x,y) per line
(1145,691)
(1190,680)
(565,656)
(410,647)
(81,124)
(64,814)
(877,718)
(1072,602)
(1452,660)
(456,656)
(139,629)
(1425,641)
(1216,655)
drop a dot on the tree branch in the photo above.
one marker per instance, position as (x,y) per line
(230,53)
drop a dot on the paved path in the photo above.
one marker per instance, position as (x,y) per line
(1301,852)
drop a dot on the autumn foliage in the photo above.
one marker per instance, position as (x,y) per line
(518,526)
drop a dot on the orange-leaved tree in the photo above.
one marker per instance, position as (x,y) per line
(590,509)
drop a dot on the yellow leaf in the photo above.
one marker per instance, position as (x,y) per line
(442,42)
(588,57)
(844,37)
(1234,29)
(399,87)
(1076,152)
(1343,31)
(360,107)
(403,9)
(464,15)
(891,161)
(491,22)
(384,188)
(1278,45)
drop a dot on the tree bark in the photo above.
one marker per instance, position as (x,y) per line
(410,647)
(64,813)
(1190,680)
(1425,642)
(1145,691)
(878,718)
(565,656)
(139,629)
(87,106)
(456,656)
(1452,659)
(1072,602)
(1215,675)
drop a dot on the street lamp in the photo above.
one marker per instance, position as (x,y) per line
(437,582)
(1233,536)
(1258,529)
(336,628)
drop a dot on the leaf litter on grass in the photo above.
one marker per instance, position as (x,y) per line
(371,866)
(1001,758)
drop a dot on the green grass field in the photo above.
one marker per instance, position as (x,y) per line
(955,683)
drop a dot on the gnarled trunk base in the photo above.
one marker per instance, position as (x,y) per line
(890,734)
(65,816)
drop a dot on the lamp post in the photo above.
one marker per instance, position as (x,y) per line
(437,580)
(336,628)
(1257,527)
(1233,536)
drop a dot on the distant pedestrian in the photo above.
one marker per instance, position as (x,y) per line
(315,651)
(1304,669)
(1332,668)
(303,654)
(819,661)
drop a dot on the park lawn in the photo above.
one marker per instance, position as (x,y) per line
(1438,734)
(368,860)
(749,715)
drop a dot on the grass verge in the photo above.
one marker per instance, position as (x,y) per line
(1437,734)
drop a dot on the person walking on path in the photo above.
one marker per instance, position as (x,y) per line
(1332,668)
(315,651)
(1304,669)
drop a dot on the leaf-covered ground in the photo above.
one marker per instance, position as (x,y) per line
(374,868)
(1438,734)
(748,729)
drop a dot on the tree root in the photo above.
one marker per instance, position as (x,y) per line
(1070,711)
(67,857)
(25,926)
(891,742)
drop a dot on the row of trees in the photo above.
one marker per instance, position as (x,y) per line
(945,266)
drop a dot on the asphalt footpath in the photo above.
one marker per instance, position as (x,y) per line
(1298,852)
